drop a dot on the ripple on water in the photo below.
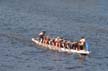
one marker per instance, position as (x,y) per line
(47,67)
(73,67)
(6,67)
(13,56)
(26,52)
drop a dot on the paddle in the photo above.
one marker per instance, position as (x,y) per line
(87,46)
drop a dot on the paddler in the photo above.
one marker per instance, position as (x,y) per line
(41,36)
(47,39)
(58,41)
(82,43)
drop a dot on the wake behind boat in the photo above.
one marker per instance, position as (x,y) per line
(59,49)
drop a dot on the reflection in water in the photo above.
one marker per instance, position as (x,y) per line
(64,56)
(56,57)
(82,58)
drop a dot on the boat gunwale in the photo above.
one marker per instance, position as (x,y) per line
(59,49)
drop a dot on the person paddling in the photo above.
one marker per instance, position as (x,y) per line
(82,43)
(41,36)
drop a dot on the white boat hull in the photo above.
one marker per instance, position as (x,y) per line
(60,49)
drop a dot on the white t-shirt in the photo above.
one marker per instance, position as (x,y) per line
(82,41)
(41,33)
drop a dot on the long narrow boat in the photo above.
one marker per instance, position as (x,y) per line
(85,52)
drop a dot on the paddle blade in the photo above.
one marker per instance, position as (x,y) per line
(87,46)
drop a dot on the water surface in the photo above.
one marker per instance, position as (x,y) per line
(20,20)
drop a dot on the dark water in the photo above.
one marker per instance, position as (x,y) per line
(20,20)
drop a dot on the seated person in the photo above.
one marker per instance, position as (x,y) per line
(82,43)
